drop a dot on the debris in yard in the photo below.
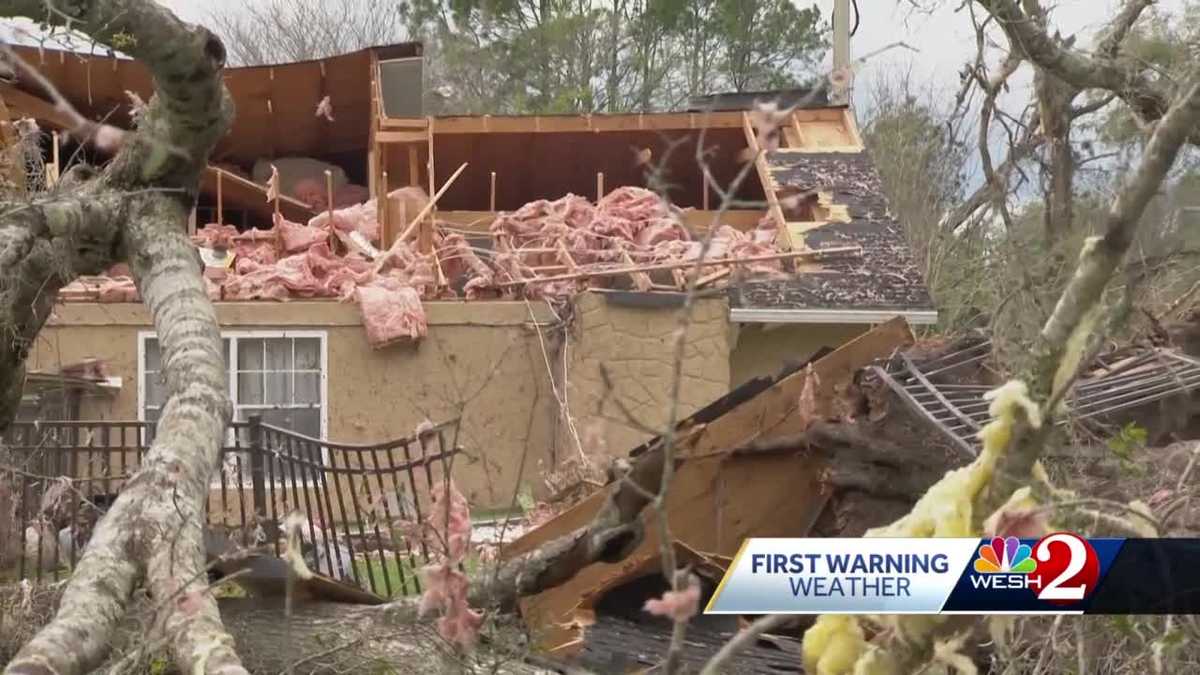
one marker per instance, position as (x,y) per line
(947,388)
(449,521)
(722,492)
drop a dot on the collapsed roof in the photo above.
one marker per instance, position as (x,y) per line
(817,179)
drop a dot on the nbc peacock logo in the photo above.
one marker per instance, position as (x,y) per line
(1005,555)
(1061,567)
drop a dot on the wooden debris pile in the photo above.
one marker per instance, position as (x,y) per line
(746,467)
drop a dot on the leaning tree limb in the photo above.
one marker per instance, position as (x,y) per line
(1107,69)
(1057,351)
(137,210)
(612,534)
(45,243)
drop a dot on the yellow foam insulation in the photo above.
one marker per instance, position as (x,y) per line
(837,644)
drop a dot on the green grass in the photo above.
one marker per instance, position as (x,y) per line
(370,573)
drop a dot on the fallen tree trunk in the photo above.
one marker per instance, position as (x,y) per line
(321,637)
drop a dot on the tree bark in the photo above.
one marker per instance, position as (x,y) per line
(136,209)
(44,244)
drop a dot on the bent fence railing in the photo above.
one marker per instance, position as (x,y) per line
(59,477)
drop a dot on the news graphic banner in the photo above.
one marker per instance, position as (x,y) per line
(1061,573)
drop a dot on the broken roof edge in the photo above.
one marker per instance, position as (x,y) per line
(392,50)
(920,317)
(598,122)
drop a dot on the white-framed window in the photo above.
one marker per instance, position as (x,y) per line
(280,375)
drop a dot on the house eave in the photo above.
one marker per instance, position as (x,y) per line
(919,317)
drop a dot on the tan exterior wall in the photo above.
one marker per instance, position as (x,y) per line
(636,347)
(761,349)
(481,362)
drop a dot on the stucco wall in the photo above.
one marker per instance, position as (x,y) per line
(635,346)
(761,349)
(481,362)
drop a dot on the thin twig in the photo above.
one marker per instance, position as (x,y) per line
(746,637)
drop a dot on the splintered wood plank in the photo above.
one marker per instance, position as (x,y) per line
(640,279)
(400,137)
(851,126)
(251,196)
(769,185)
(565,256)
(791,137)
(717,498)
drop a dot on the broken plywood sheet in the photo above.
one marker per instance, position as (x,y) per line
(775,412)
(715,502)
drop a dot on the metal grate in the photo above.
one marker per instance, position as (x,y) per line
(350,494)
(959,411)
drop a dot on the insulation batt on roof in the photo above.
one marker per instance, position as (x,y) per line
(326,258)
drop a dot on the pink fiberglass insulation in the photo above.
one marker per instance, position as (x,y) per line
(391,311)
(542,238)
(213,235)
(361,218)
(294,237)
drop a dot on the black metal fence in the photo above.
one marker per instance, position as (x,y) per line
(61,476)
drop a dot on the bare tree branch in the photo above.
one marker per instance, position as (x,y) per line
(1056,360)
(43,245)
(1108,44)
(1148,98)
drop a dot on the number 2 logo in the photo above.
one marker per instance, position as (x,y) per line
(1068,568)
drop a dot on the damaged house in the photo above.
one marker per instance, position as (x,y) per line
(374,268)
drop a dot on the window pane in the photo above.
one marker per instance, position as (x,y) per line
(308,354)
(278,388)
(250,354)
(279,354)
(250,388)
(280,417)
(307,421)
(151,415)
(155,390)
(308,388)
(153,355)
(300,420)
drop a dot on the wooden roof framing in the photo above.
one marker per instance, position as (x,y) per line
(276,104)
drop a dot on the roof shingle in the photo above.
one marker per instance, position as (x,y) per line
(884,278)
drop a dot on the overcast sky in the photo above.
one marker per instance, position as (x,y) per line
(943,37)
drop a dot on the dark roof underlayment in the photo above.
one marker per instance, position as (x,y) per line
(800,97)
(884,278)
